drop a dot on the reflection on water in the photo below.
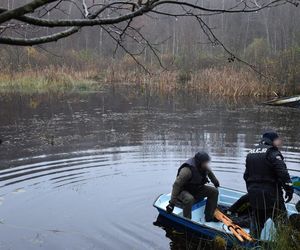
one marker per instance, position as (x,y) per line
(82,171)
(183,239)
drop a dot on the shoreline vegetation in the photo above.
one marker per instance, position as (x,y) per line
(287,237)
(214,75)
(221,81)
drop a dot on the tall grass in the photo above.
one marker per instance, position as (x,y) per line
(225,81)
(287,237)
(49,79)
(229,82)
(221,81)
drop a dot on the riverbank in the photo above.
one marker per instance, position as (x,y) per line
(222,81)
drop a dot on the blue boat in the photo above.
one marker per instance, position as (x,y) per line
(197,224)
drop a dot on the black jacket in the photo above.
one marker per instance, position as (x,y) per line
(265,175)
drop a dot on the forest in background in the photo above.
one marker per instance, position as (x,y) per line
(269,40)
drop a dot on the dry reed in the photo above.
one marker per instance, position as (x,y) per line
(225,81)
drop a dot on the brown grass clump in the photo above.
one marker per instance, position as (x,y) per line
(215,81)
(221,81)
(229,82)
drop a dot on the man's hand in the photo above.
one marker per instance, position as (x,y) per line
(170,208)
(298,206)
(217,184)
(289,191)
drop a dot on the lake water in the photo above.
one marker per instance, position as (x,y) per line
(81,171)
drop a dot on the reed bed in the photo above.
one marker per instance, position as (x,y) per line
(229,82)
(218,81)
(225,81)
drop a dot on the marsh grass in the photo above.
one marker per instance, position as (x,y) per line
(224,81)
(218,81)
(50,79)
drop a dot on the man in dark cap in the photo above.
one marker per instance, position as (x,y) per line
(190,187)
(266,175)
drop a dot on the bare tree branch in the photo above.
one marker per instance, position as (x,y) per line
(216,41)
(83,22)
(20,11)
(127,51)
(151,6)
(39,40)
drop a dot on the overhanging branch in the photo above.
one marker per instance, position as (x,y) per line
(39,40)
(20,11)
(93,19)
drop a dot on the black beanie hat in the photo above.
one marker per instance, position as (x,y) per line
(201,157)
(271,135)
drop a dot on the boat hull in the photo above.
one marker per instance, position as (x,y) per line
(208,229)
(189,225)
(293,101)
(212,229)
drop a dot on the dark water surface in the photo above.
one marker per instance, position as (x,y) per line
(82,171)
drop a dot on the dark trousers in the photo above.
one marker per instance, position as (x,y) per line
(188,200)
(259,216)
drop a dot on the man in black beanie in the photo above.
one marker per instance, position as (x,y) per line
(266,175)
(189,186)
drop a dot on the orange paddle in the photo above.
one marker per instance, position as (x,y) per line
(235,229)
